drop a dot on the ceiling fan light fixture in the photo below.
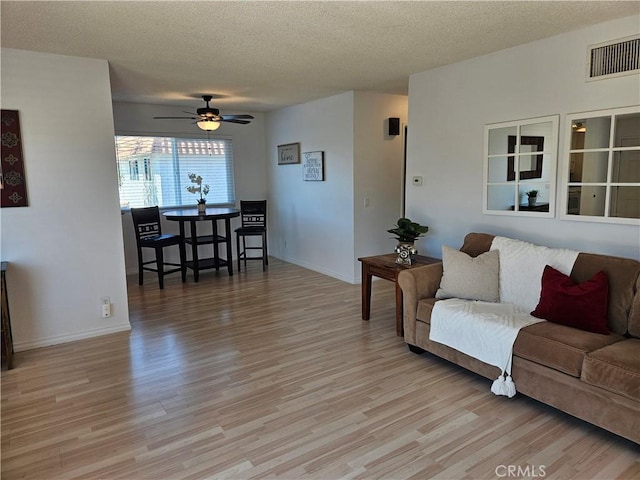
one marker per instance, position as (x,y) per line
(579,127)
(208,125)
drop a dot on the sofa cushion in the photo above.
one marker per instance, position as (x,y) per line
(425,307)
(634,313)
(615,368)
(472,278)
(476,243)
(558,346)
(624,299)
(579,305)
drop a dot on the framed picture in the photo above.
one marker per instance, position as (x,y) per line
(288,153)
(313,166)
(13,186)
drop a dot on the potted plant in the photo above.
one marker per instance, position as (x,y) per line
(200,189)
(406,232)
(532,196)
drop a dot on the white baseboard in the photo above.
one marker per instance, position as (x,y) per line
(57,339)
(317,268)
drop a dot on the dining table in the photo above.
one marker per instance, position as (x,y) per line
(190,236)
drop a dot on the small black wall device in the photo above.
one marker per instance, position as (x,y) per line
(394,126)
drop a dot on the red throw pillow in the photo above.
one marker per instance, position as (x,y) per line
(582,305)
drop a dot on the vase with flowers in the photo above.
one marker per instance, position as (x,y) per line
(200,189)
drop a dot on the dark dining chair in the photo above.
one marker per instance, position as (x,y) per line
(146,222)
(253,214)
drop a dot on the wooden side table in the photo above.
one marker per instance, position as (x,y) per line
(385,266)
(7,337)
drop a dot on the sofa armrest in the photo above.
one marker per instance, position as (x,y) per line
(417,283)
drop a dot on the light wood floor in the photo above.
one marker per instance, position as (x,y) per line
(274,375)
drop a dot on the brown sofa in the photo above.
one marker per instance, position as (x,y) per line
(592,376)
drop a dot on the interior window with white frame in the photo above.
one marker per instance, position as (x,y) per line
(154,170)
(520,159)
(601,166)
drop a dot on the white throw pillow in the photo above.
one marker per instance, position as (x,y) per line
(473,278)
(521,267)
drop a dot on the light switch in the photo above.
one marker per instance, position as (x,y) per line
(417,181)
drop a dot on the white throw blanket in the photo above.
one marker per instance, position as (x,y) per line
(487,331)
(483,330)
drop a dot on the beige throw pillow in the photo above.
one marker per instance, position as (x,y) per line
(473,278)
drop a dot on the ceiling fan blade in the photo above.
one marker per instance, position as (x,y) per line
(233,120)
(245,116)
(175,118)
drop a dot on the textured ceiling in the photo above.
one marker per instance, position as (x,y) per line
(261,56)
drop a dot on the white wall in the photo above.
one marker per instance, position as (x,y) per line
(248,159)
(311,223)
(378,165)
(324,226)
(65,249)
(449,106)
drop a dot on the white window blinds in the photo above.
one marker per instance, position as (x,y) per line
(154,170)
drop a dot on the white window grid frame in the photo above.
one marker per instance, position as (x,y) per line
(552,151)
(611,149)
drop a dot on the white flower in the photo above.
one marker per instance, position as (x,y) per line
(202,190)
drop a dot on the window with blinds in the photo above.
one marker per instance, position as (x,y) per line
(154,170)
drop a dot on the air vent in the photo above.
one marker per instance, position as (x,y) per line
(613,59)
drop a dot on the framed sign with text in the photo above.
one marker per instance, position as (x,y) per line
(313,166)
(288,153)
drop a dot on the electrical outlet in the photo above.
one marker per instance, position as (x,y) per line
(105,304)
